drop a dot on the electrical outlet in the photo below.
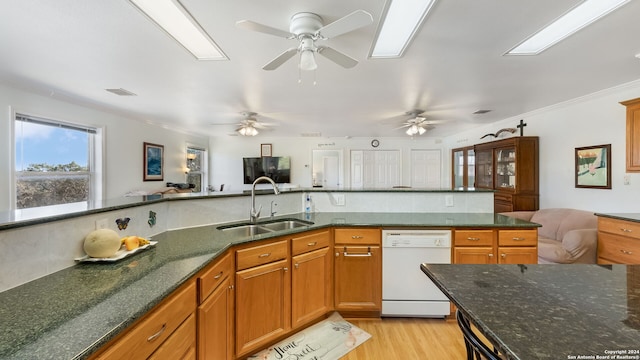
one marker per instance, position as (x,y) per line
(448,200)
(627,180)
(339,199)
(102,224)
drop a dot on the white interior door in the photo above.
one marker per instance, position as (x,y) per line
(425,169)
(331,171)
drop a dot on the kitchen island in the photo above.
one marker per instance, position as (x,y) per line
(573,311)
(72,313)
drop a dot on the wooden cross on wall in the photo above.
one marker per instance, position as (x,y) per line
(521,127)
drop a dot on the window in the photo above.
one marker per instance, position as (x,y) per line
(56,164)
(196,167)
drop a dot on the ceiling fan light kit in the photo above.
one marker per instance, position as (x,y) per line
(307,28)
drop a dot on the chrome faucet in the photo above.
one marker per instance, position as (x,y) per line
(255,214)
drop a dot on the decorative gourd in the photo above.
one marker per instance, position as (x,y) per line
(102,243)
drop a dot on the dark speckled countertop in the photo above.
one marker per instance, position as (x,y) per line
(635,217)
(549,311)
(73,312)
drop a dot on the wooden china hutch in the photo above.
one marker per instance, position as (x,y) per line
(510,167)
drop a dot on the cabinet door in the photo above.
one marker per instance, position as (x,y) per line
(473,255)
(505,178)
(484,168)
(215,324)
(633,134)
(517,255)
(358,278)
(310,286)
(263,305)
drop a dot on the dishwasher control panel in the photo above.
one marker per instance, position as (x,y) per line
(416,238)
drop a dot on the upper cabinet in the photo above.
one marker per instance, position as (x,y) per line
(463,167)
(510,167)
(633,134)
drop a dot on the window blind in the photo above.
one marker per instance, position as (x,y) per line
(41,121)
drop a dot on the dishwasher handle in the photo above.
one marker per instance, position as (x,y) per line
(346,254)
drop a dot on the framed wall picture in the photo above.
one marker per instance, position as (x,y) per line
(265,150)
(153,167)
(593,167)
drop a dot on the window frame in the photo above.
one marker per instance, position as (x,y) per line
(95,164)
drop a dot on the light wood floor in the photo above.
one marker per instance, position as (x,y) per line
(407,339)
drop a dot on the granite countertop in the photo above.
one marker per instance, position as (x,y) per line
(635,217)
(549,311)
(73,312)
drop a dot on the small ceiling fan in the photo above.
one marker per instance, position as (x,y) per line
(307,28)
(418,124)
(249,125)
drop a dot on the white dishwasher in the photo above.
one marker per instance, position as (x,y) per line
(406,290)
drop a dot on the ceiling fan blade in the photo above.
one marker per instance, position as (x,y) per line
(355,20)
(337,57)
(254,26)
(280,59)
(402,127)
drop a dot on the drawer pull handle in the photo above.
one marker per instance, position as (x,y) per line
(156,335)
(357,237)
(264,255)
(285,269)
(346,254)
(312,243)
(473,238)
(490,255)
(218,276)
(503,255)
(297,266)
(626,252)
(625,230)
(518,239)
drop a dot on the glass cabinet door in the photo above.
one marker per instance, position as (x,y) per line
(484,168)
(458,168)
(471,168)
(463,167)
(505,168)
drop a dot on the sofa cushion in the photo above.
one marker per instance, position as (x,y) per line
(556,222)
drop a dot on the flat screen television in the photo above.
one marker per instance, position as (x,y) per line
(278,168)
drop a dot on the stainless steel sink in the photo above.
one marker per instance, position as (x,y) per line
(250,229)
(285,224)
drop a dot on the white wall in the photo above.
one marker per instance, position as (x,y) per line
(227,153)
(123,142)
(595,119)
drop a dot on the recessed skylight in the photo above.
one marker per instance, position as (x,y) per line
(401,21)
(577,18)
(173,18)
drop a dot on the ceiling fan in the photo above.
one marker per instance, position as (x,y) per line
(307,28)
(418,124)
(250,125)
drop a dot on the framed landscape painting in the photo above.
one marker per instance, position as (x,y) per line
(153,162)
(593,167)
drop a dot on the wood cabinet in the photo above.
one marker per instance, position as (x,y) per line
(358,271)
(263,295)
(510,167)
(171,322)
(215,313)
(495,246)
(618,241)
(633,134)
(463,167)
(311,277)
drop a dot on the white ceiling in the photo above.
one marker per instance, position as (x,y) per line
(74,50)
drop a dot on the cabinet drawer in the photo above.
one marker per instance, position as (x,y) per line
(145,337)
(310,242)
(618,249)
(358,236)
(210,280)
(181,345)
(473,238)
(619,227)
(261,254)
(507,198)
(518,237)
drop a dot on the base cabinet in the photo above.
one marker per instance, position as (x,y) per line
(358,271)
(310,286)
(263,305)
(618,241)
(483,246)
